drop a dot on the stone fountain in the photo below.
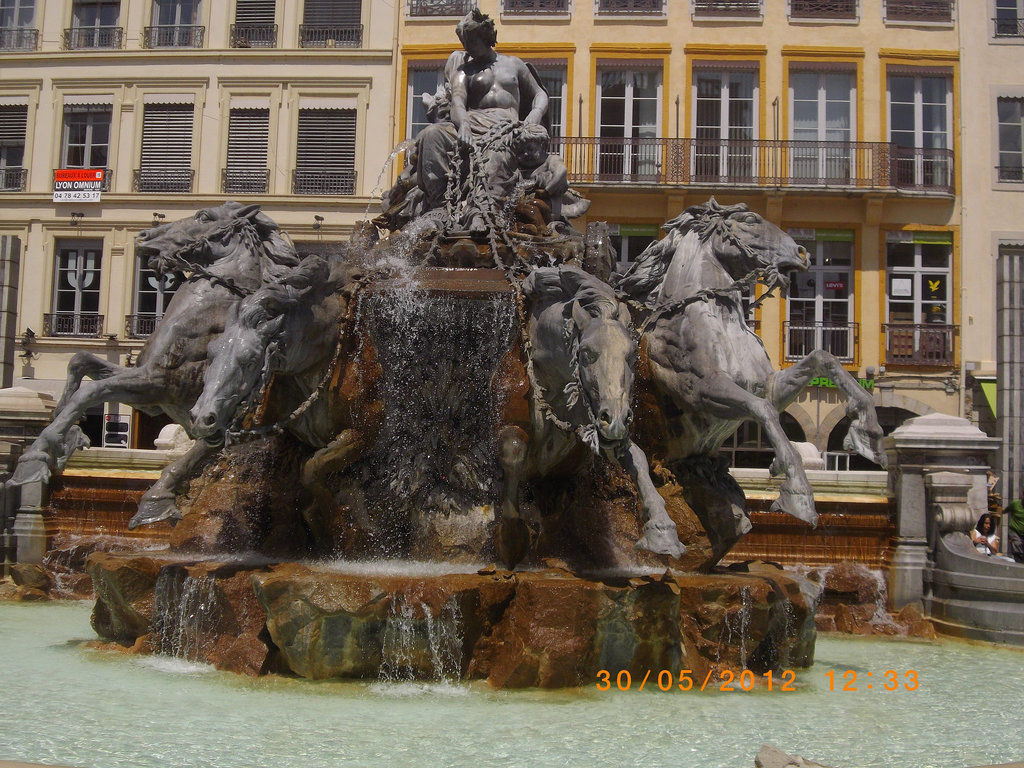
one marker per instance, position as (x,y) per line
(453,449)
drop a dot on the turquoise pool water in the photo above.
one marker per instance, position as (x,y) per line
(63,703)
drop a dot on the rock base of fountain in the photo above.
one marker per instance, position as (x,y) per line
(546,628)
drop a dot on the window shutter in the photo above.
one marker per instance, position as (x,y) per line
(13,125)
(166,148)
(326,151)
(332,12)
(248,137)
(255,12)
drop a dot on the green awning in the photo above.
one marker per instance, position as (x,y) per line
(988,389)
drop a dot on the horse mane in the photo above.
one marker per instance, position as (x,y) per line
(643,280)
(291,286)
(567,284)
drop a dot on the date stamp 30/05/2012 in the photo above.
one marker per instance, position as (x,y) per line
(844,681)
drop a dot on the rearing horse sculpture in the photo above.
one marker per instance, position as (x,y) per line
(710,371)
(226,252)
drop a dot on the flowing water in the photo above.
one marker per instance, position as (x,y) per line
(64,703)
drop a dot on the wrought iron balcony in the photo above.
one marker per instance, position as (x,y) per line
(319,181)
(727,8)
(630,6)
(140,326)
(441,7)
(173,36)
(920,344)
(13,179)
(245,180)
(77,38)
(330,36)
(919,10)
(162,180)
(107,176)
(1014,172)
(840,340)
(547,6)
(823,9)
(924,169)
(254,35)
(1009,27)
(19,39)
(72,324)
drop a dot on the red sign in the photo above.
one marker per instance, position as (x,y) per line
(835,285)
(78,174)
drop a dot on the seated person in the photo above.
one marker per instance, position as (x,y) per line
(1015,511)
(984,536)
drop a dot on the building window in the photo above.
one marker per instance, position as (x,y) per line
(1010,364)
(247,170)
(166,149)
(726,8)
(823,9)
(628,110)
(86,140)
(555,81)
(918,331)
(629,241)
(1011,138)
(254,25)
(76,301)
(724,125)
(822,118)
(325,153)
(331,24)
(175,24)
(13,125)
(915,11)
(153,292)
(17,32)
(1009,20)
(424,80)
(920,119)
(820,303)
(440,7)
(94,25)
(530,7)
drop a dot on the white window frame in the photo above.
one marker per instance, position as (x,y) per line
(1014,178)
(83,274)
(726,153)
(833,339)
(92,113)
(640,160)
(831,163)
(922,167)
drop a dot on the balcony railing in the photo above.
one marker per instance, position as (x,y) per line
(922,344)
(330,36)
(13,179)
(173,36)
(162,180)
(140,326)
(77,38)
(840,340)
(72,324)
(19,39)
(1009,27)
(630,6)
(1013,172)
(727,8)
(545,6)
(254,35)
(441,7)
(919,10)
(315,181)
(924,169)
(245,180)
(107,176)
(823,9)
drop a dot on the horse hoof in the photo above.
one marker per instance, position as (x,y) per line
(513,541)
(800,507)
(154,512)
(661,541)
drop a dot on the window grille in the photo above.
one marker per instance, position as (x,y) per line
(166,149)
(248,139)
(325,152)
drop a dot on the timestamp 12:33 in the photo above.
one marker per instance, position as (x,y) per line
(852,681)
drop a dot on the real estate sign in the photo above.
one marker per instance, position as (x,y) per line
(77,185)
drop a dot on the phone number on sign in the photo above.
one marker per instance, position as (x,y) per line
(727,680)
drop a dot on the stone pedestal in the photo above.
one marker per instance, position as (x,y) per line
(30,522)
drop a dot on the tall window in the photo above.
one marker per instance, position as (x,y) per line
(725,124)
(13,124)
(629,241)
(1010,364)
(628,106)
(76,301)
(153,293)
(94,25)
(1011,138)
(822,106)
(175,24)
(86,141)
(325,152)
(16,25)
(248,139)
(820,303)
(920,119)
(254,25)
(1009,18)
(918,275)
(166,149)
(424,80)
(554,79)
(331,24)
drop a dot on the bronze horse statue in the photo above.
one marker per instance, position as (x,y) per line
(709,370)
(225,252)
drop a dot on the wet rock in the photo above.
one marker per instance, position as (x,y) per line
(30,576)
(773,757)
(851,621)
(29,595)
(7,590)
(853,583)
(125,588)
(916,625)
